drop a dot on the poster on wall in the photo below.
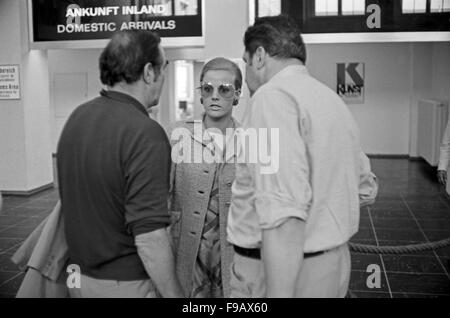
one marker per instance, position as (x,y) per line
(178,22)
(350,82)
(9,82)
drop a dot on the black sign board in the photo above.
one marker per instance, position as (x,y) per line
(78,20)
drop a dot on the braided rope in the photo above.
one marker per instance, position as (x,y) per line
(403,249)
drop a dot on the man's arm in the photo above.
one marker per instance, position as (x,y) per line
(368,183)
(147,173)
(156,254)
(282,265)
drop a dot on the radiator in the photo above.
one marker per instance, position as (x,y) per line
(432,120)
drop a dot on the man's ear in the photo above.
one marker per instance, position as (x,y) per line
(260,57)
(149,75)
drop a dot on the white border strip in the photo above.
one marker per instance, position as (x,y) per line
(175,42)
(377,37)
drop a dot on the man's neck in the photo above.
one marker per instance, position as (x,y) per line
(132,90)
(277,65)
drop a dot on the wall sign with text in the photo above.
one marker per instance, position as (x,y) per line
(350,82)
(83,20)
(9,82)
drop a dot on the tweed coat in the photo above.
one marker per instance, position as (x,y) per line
(191,186)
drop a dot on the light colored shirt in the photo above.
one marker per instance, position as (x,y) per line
(322,172)
(444,159)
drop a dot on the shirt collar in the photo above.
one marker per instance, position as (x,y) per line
(124,98)
(291,69)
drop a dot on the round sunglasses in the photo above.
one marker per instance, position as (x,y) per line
(225,90)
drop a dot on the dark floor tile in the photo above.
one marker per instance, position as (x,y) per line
(11,220)
(24,212)
(7,243)
(14,200)
(362,261)
(364,234)
(364,242)
(12,286)
(13,249)
(445,198)
(445,261)
(407,235)
(388,205)
(431,214)
(443,252)
(434,224)
(419,283)
(364,222)
(364,212)
(437,235)
(395,223)
(428,205)
(17,232)
(412,264)
(390,213)
(40,204)
(436,197)
(6,265)
(359,281)
(32,222)
(417,295)
(389,197)
(5,276)
(364,294)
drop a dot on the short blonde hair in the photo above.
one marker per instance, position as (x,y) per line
(223,64)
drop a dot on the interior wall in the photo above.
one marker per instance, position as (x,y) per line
(397,75)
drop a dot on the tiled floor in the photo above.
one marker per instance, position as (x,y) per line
(411,208)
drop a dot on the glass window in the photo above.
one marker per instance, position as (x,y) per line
(326,7)
(438,6)
(184,90)
(414,6)
(353,7)
(269,8)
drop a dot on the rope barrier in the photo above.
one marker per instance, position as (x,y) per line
(403,249)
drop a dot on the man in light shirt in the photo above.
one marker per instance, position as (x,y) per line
(290,227)
(444,159)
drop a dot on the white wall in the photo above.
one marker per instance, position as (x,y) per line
(384,117)
(397,75)
(74,79)
(441,71)
(12,131)
(25,158)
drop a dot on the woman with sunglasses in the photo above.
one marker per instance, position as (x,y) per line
(201,192)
